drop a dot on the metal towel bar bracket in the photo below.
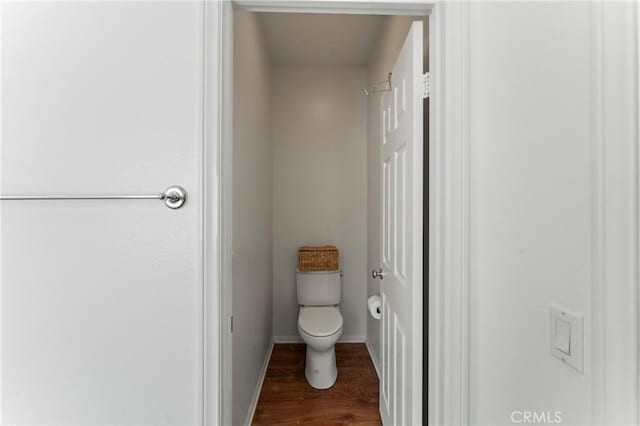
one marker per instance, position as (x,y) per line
(174,197)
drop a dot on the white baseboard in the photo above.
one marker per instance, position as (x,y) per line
(287,339)
(258,390)
(348,338)
(373,357)
(352,338)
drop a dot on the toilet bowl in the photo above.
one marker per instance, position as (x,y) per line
(319,324)
(320,327)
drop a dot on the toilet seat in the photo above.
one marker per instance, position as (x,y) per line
(320,321)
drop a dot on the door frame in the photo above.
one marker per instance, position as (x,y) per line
(448,310)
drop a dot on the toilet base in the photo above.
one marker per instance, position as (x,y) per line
(321,370)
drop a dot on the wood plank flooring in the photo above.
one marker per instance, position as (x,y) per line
(287,398)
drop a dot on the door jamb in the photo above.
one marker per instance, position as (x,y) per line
(448,196)
(217,204)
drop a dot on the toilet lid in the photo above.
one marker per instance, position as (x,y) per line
(320,321)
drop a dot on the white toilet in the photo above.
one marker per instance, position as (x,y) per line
(319,324)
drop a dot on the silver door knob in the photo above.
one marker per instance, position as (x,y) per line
(377,274)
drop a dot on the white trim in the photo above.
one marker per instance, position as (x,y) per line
(374,358)
(449,204)
(436,215)
(411,7)
(1,44)
(637,51)
(287,339)
(449,197)
(226,231)
(448,222)
(417,249)
(352,338)
(347,338)
(211,205)
(620,200)
(217,297)
(465,210)
(613,351)
(596,340)
(202,211)
(259,384)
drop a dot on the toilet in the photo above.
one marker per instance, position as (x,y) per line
(319,324)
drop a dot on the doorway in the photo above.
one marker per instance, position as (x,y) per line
(309,186)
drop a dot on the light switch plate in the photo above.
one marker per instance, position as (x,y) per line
(563,335)
(567,337)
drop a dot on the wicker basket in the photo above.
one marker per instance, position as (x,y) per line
(324,258)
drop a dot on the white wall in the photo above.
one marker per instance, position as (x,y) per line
(319,140)
(530,190)
(252,210)
(536,213)
(390,40)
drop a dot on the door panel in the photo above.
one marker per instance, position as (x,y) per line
(101,301)
(400,402)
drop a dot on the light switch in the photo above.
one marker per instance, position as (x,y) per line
(566,337)
(563,336)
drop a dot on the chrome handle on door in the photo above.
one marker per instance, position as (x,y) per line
(173,197)
(377,274)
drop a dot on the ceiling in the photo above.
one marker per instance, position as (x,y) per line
(320,39)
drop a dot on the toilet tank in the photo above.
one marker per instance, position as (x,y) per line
(318,288)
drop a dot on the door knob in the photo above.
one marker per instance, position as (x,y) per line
(377,274)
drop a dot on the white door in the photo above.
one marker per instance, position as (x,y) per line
(100,301)
(401,257)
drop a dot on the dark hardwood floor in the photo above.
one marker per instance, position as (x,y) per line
(287,398)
